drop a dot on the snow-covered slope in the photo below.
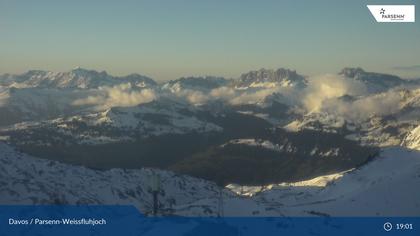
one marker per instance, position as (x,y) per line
(158,117)
(257,143)
(117,124)
(285,146)
(387,186)
(318,182)
(28,180)
(413,139)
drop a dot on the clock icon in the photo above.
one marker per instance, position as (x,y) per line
(387,226)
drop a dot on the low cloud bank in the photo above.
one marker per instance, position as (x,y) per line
(329,93)
(382,104)
(326,87)
(326,94)
(318,90)
(231,95)
(118,96)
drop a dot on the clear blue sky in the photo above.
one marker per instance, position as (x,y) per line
(173,38)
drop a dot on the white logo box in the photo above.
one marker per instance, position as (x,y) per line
(393,13)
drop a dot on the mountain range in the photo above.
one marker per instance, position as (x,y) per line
(263,139)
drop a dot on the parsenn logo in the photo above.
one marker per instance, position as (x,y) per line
(382,11)
(393,13)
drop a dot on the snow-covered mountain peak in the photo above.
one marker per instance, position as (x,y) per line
(351,72)
(375,82)
(203,84)
(82,72)
(268,78)
(78,78)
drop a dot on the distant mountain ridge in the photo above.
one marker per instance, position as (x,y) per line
(80,78)
(77,78)
(271,78)
(202,84)
(375,82)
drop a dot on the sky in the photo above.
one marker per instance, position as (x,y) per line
(167,39)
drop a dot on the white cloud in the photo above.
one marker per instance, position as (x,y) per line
(118,96)
(230,95)
(322,88)
(382,104)
(322,94)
